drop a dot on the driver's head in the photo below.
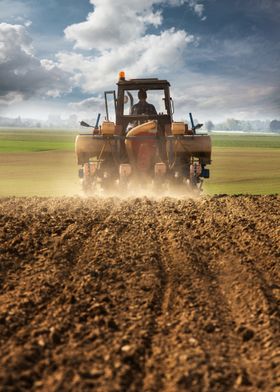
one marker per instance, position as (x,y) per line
(142,94)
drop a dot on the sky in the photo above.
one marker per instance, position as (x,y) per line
(222,57)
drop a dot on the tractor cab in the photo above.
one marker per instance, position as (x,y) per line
(158,94)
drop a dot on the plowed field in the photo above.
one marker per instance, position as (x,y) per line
(139,294)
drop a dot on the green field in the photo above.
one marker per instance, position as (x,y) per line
(42,162)
(36,140)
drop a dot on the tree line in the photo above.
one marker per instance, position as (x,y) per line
(232,124)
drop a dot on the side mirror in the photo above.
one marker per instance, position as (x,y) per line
(84,124)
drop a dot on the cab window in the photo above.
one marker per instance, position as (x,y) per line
(154,97)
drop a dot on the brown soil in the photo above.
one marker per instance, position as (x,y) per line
(140,295)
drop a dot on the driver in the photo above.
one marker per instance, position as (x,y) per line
(143,107)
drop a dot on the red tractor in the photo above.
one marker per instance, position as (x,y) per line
(141,144)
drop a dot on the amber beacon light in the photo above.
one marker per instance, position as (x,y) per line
(122,75)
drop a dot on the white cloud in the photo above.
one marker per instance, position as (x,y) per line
(115,23)
(23,75)
(10,98)
(22,21)
(148,55)
(27,23)
(197,7)
(92,105)
(215,97)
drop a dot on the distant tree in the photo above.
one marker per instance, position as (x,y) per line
(18,121)
(274,126)
(233,125)
(209,125)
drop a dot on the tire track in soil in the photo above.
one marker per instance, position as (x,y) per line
(251,312)
(245,294)
(136,302)
(237,269)
(135,274)
(266,244)
(250,283)
(83,320)
(245,369)
(189,316)
(24,313)
(145,241)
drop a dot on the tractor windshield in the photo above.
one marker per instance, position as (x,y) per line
(154,98)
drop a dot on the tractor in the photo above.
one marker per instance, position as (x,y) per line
(131,149)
